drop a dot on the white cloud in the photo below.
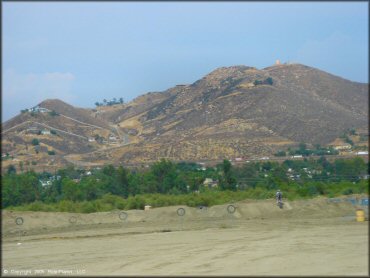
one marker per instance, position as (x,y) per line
(26,90)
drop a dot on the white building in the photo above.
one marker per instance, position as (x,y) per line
(45,183)
(38,109)
(344,146)
(210,182)
(297,156)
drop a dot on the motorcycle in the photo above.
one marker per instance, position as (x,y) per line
(280,204)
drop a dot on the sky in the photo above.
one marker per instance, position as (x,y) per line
(84,52)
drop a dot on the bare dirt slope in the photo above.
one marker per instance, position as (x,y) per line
(313,237)
(236,111)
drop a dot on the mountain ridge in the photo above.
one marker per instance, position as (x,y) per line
(230,112)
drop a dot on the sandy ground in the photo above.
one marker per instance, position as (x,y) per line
(314,237)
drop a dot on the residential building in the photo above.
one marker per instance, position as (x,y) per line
(210,183)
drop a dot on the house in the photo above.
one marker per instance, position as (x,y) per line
(53,178)
(45,132)
(43,110)
(210,182)
(339,144)
(344,146)
(362,153)
(207,181)
(297,156)
(112,137)
(91,139)
(38,109)
(45,182)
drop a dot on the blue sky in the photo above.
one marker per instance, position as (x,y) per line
(84,52)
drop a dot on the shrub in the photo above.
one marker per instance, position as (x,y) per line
(87,207)
(280,153)
(66,206)
(53,113)
(11,169)
(269,81)
(39,206)
(35,142)
(347,191)
(137,202)
(100,206)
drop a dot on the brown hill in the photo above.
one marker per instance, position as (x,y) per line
(243,111)
(231,112)
(62,129)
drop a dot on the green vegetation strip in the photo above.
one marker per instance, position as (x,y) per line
(168,184)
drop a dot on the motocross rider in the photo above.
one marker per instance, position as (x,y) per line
(279,196)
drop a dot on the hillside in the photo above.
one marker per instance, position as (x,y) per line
(62,129)
(236,111)
(225,114)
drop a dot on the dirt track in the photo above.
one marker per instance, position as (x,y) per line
(305,238)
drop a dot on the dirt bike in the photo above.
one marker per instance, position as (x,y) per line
(280,203)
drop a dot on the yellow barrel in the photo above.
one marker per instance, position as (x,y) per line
(360,215)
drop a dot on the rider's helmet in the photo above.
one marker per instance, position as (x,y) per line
(278,190)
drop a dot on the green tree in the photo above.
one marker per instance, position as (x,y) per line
(164,173)
(69,172)
(35,142)
(71,191)
(11,169)
(280,153)
(109,170)
(228,181)
(53,113)
(91,188)
(269,81)
(122,187)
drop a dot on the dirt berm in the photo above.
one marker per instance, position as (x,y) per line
(42,224)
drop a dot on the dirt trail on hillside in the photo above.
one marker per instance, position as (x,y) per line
(313,237)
